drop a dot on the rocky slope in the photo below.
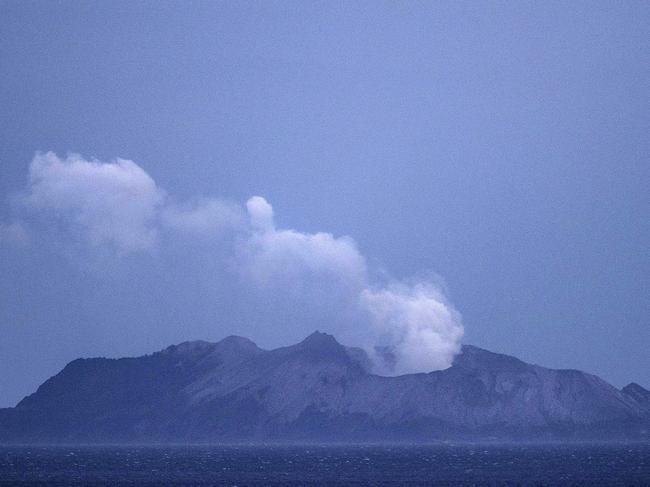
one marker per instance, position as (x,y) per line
(640,395)
(317,390)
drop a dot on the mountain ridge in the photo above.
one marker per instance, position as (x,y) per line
(317,390)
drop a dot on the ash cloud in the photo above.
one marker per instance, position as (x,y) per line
(116,209)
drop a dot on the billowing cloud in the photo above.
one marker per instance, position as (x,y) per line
(261,214)
(411,322)
(405,326)
(206,217)
(271,254)
(107,204)
(421,328)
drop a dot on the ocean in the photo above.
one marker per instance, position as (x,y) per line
(259,465)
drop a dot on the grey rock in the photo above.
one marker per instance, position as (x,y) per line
(317,390)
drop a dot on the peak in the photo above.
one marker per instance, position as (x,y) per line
(466,348)
(475,357)
(196,346)
(320,339)
(637,392)
(231,342)
(237,341)
(478,351)
(633,386)
(237,344)
(473,349)
(322,345)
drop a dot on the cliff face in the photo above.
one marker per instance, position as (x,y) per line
(316,390)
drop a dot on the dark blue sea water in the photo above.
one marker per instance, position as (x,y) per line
(502,465)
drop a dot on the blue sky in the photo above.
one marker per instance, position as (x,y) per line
(494,154)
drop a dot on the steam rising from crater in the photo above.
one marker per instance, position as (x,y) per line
(116,209)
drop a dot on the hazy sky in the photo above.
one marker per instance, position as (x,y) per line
(481,160)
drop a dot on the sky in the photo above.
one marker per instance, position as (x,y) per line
(407,174)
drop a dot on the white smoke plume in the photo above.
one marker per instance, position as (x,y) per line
(207,217)
(422,328)
(271,254)
(116,207)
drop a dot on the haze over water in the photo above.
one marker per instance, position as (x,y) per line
(446,465)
